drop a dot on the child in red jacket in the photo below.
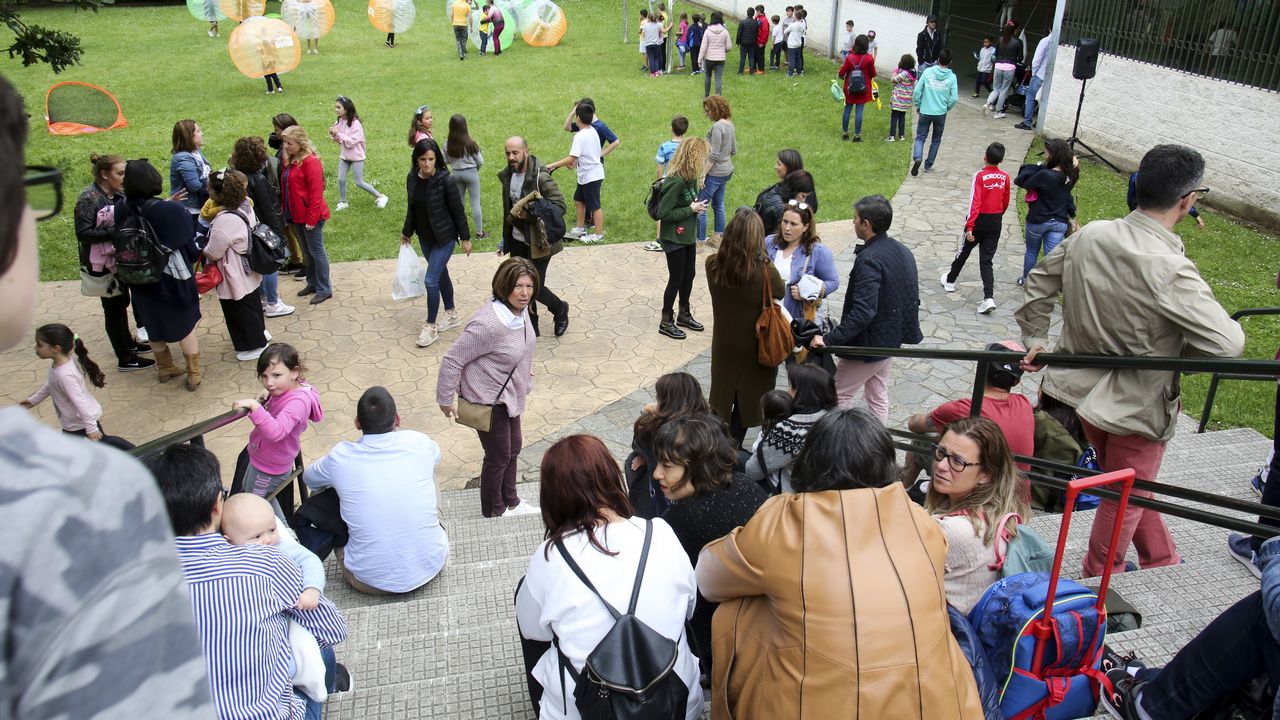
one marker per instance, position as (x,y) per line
(989,200)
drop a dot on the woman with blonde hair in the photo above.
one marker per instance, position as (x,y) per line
(302,199)
(975,485)
(735,277)
(678,211)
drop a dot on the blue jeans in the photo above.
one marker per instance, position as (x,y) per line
(317,258)
(857,120)
(270,288)
(653,54)
(437,278)
(1048,234)
(484,42)
(938,123)
(713,190)
(1029,102)
(315,710)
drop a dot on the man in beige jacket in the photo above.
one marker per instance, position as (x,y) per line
(1128,289)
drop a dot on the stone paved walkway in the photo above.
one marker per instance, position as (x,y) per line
(592,380)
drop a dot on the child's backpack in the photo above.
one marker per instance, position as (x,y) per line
(855,81)
(1022,553)
(140,258)
(1048,669)
(630,675)
(268,252)
(655,196)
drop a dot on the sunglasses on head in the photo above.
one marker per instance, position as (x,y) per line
(797,204)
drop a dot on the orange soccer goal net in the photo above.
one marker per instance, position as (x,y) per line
(76,108)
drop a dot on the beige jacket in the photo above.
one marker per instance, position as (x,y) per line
(1127,289)
(832,605)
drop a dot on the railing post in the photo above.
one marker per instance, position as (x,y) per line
(979,389)
(1208,403)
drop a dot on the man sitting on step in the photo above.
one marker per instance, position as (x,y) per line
(388,497)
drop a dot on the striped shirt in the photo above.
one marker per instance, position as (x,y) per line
(479,361)
(243,598)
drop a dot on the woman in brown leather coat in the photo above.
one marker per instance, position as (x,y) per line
(832,600)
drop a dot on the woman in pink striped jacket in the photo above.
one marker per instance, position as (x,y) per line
(491,363)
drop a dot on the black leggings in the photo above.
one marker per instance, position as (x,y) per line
(681,268)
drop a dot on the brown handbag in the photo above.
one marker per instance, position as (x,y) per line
(478,415)
(773,334)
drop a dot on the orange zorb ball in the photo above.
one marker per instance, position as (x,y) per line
(544,24)
(260,46)
(392,16)
(240,10)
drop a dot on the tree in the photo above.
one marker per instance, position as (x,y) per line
(38,44)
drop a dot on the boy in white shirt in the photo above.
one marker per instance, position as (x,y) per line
(584,156)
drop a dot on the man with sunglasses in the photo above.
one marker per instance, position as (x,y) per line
(94,612)
(1128,289)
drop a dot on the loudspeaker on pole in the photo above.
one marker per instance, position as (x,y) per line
(1086,65)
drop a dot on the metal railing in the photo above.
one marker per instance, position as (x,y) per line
(1219,377)
(193,434)
(1236,42)
(919,7)
(1041,469)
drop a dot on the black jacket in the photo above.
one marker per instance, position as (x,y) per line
(444,213)
(772,202)
(1011,53)
(537,178)
(882,300)
(1053,194)
(748,29)
(927,49)
(266,202)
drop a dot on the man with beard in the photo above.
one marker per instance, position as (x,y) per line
(523,175)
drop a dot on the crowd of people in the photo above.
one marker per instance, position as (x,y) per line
(237,615)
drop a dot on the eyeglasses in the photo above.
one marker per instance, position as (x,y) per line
(1199,192)
(955,461)
(797,204)
(43,186)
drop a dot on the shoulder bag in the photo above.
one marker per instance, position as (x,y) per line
(480,415)
(773,332)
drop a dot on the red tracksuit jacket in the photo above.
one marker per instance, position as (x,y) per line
(990,194)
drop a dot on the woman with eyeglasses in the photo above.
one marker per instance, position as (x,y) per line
(95,224)
(805,264)
(1051,209)
(228,245)
(975,485)
(171,306)
(832,597)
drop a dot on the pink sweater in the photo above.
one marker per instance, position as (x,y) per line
(75,407)
(477,363)
(277,429)
(350,137)
(228,244)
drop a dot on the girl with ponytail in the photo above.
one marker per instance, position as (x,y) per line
(77,410)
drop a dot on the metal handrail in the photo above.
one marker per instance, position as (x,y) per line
(1217,377)
(188,434)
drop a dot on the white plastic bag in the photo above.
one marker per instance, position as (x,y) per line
(408,280)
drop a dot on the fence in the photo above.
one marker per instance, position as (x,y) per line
(1234,41)
(919,7)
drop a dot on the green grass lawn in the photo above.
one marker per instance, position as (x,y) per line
(1240,264)
(162,67)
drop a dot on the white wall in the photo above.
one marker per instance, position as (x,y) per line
(1131,106)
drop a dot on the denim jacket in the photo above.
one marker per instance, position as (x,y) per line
(1267,555)
(189,170)
(823,266)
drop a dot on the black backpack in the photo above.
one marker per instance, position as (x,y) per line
(655,196)
(857,82)
(140,258)
(630,675)
(268,252)
(544,211)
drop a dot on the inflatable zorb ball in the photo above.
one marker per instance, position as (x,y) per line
(543,23)
(392,16)
(260,46)
(310,19)
(515,14)
(240,10)
(206,10)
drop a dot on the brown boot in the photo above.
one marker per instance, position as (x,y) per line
(164,362)
(193,371)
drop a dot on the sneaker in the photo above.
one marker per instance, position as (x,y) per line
(249,355)
(857,138)
(343,681)
(1022,126)
(1258,484)
(381,202)
(317,299)
(591,238)
(340,207)
(948,286)
(271,92)
(915,167)
(451,321)
(844,136)
(986,306)
(713,242)
(1241,548)
(266,334)
(1112,660)
(136,363)
(575,233)
(998,115)
(889,139)
(1121,699)
(524,508)
(928,168)
(140,348)
(653,246)
(428,335)
(277,309)
(142,336)
(1022,282)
